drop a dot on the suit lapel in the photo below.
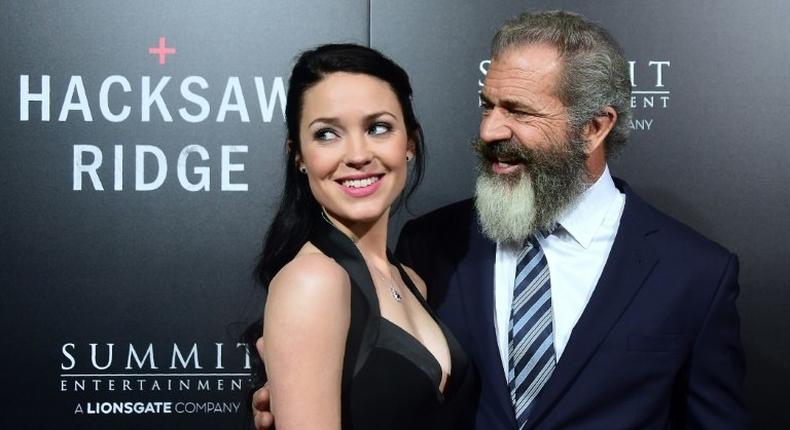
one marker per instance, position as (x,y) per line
(630,261)
(475,279)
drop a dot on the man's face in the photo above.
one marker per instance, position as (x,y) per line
(519,102)
(532,164)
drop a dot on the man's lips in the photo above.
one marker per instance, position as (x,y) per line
(504,167)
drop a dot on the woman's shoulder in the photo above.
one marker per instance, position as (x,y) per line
(417,280)
(311,274)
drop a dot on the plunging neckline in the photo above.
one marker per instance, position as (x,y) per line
(434,360)
(390,380)
(435,373)
(376,304)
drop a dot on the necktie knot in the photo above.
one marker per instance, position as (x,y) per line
(535,237)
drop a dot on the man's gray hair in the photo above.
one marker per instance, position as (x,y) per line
(595,73)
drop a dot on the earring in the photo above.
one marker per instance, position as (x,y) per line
(408,157)
(303,169)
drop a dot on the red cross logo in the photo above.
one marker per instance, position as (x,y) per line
(161,51)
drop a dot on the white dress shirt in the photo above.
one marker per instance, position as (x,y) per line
(576,254)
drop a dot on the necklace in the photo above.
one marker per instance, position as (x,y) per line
(350,235)
(393,290)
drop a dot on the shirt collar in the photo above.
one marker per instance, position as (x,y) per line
(583,219)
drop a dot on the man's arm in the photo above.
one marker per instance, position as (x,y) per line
(261,410)
(716,368)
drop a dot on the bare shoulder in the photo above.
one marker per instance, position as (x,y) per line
(306,321)
(311,281)
(310,270)
(308,300)
(418,282)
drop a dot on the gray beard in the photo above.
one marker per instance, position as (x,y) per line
(512,207)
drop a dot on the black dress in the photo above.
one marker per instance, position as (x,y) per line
(391,380)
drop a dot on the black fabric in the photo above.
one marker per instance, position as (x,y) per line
(391,380)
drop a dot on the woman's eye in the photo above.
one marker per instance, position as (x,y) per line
(325,134)
(379,128)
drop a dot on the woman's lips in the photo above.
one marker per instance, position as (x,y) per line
(360,186)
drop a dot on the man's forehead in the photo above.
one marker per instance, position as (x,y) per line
(533,58)
(522,71)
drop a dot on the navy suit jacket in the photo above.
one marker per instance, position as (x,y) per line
(656,347)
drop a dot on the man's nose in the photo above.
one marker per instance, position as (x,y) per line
(494,127)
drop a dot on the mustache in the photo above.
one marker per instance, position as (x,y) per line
(510,150)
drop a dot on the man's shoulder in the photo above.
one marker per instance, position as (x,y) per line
(446,229)
(669,232)
(454,214)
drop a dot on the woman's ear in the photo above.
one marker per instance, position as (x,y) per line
(297,157)
(411,149)
(299,164)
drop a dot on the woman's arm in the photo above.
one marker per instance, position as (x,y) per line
(305,327)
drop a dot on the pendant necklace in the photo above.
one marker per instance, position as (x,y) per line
(396,295)
(393,291)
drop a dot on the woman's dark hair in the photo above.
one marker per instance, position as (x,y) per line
(299,211)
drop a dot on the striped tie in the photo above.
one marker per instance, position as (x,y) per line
(531,341)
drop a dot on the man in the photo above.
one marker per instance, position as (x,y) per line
(580,305)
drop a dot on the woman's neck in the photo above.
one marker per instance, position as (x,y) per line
(369,237)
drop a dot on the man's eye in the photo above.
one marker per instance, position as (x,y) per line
(379,128)
(325,134)
(520,114)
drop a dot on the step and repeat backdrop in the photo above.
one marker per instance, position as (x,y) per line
(141,160)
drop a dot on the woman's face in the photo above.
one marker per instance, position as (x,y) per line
(354,145)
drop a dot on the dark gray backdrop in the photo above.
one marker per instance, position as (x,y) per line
(171,268)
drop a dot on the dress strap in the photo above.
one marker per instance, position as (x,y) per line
(362,331)
(410,284)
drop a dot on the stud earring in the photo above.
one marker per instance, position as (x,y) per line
(408,157)
(303,169)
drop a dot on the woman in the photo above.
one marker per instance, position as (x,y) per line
(350,341)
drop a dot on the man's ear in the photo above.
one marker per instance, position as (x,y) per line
(596,130)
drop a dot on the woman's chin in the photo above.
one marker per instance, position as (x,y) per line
(365,215)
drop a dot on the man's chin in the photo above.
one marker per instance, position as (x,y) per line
(505,206)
